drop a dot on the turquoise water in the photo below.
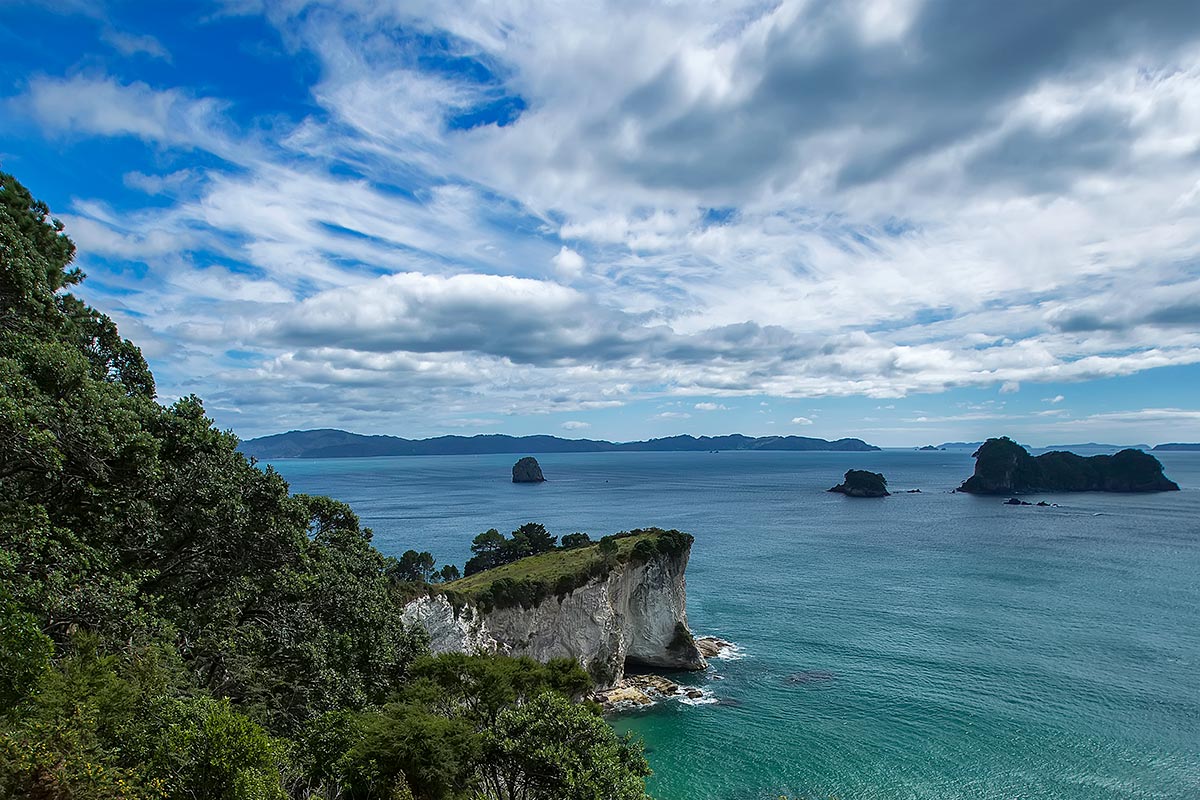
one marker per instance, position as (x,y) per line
(927,645)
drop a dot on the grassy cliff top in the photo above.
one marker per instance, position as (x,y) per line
(559,572)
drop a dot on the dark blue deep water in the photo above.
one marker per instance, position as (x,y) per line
(930,645)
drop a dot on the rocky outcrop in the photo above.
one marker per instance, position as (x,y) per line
(639,691)
(713,646)
(860,483)
(527,470)
(635,615)
(1004,467)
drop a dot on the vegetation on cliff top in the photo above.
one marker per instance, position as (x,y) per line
(1004,467)
(556,571)
(175,624)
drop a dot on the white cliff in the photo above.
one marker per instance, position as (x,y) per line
(635,614)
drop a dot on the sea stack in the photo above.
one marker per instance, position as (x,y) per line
(860,483)
(527,471)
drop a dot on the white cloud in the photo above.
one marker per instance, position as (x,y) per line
(1144,416)
(1058,398)
(710,407)
(801,421)
(106,107)
(568,263)
(131,44)
(575,425)
(673,415)
(685,205)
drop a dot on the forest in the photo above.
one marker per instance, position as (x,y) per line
(174,623)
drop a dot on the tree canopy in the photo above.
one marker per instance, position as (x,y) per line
(175,623)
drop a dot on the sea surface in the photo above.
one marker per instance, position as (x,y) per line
(930,645)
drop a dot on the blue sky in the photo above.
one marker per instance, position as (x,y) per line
(910,221)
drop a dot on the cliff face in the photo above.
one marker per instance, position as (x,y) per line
(1004,467)
(635,614)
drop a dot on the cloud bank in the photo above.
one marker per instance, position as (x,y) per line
(505,208)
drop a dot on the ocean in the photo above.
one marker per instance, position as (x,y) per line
(930,645)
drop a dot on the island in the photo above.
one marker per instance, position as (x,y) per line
(860,483)
(1006,468)
(929,448)
(333,443)
(527,470)
(1177,446)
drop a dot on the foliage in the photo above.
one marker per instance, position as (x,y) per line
(106,726)
(558,572)
(573,540)
(24,654)
(550,749)
(173,622)
(492,549)
(451,732)
(413,566)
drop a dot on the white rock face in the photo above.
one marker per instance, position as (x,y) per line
(638,612)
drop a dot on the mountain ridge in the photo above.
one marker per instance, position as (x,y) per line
(335,443)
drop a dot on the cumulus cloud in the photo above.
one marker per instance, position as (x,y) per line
(791,199)
(801,421)
(568,263)
(710,407)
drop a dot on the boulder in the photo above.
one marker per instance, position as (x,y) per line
(527,470)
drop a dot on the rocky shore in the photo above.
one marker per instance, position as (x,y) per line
(639,691)
(714,647)
(642,690)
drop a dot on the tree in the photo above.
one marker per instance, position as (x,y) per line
(449,573)
(609,547)
(551,749)
(537,537)
(573,540)
(487,548)
(414,566)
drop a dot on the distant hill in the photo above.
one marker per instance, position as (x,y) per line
(1094,446)
(331,443)
(959,445)
(1178,446)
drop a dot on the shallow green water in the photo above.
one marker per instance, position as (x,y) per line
(926,645)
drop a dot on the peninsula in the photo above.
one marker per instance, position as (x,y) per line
(1004,467)
(608,605)
(331,443)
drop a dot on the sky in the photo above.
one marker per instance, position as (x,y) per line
(910,221)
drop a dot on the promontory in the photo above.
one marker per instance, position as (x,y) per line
(615,603)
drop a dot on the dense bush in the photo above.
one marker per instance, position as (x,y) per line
(173,622)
